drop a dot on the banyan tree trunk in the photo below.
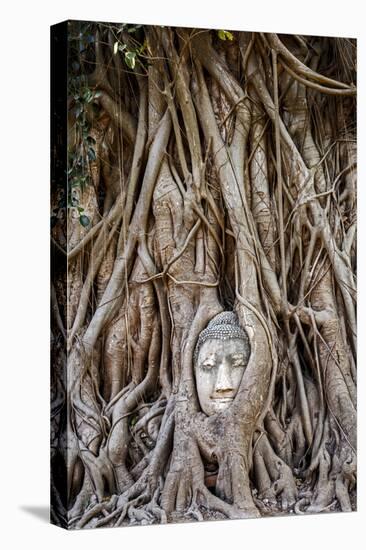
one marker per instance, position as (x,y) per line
(207,171)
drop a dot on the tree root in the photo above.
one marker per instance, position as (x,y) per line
(274,477)
(234,190)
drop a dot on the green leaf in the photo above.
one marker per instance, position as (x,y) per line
(133,29)
(97,94)
(115,48)
(81,209)
(134,420)
(75,183)
(84,220)
(130,58)
(89,96)
(225,35)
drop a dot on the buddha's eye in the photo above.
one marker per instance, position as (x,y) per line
(237,362)
(208,364)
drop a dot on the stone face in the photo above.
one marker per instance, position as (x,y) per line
(221,355)
(223,326)
(219,369)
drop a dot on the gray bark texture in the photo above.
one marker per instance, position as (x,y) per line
(207,171)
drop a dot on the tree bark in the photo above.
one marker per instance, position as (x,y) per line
(207,171)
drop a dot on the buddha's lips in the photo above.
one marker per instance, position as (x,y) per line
(222,399)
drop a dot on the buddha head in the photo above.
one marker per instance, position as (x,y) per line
(221,355)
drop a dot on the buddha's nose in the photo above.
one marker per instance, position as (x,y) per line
(223,380)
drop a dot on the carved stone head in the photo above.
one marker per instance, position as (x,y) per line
(221,355)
